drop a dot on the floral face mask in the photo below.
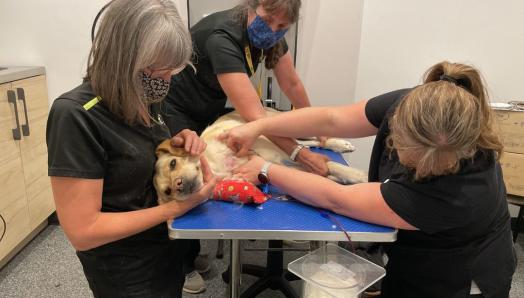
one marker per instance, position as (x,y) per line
(155,89)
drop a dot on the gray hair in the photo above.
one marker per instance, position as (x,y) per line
(134,35)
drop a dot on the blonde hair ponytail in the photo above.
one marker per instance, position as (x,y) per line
(445,120)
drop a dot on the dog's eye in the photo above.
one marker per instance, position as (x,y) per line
(167,191)
(172,164)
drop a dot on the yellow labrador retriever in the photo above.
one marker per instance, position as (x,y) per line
(178,174)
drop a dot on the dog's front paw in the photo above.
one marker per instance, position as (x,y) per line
(339,145)
(344,174)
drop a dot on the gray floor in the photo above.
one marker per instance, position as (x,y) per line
(48,267)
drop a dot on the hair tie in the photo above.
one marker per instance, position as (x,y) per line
(447,78)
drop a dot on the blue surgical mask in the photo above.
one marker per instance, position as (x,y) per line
(261,36)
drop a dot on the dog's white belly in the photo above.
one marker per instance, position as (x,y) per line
(222,160)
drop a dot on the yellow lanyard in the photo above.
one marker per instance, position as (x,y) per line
(249,60)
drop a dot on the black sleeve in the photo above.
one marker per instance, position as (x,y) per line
(430,208)
(377,107)
(177,121)
(224,54)
(74,144)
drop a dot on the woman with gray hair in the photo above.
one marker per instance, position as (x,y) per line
(434,174)
(101,140)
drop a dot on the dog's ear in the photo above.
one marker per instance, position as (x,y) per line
(166,148)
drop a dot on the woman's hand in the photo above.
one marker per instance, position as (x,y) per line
(250,170)
(313,162)
(210,180)
(191,142)
(199,197)
(240,139)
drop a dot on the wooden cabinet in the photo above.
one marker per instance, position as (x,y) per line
(25,192)
(510,126)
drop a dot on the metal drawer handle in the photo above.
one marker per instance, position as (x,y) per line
(5,227)
(21,96)
(11,98)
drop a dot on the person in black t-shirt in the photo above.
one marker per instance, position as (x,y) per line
(228,46)
(101,139)
(434,174)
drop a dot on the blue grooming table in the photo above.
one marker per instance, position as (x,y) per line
(279,218)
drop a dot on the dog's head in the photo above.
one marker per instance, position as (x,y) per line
(177,174)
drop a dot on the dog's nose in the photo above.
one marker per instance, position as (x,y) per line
(190,186)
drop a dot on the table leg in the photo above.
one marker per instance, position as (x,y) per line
(234,274)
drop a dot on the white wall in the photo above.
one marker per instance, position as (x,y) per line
(52,33)
(328,49)
(402,38)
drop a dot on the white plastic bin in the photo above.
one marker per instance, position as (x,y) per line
(331,271)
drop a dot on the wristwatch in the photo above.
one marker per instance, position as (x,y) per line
(263,177)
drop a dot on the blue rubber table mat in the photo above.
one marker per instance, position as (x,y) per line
(275,215)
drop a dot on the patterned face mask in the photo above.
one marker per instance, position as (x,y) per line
(155,89)
(261,36)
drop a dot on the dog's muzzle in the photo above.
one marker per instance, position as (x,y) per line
(187,186)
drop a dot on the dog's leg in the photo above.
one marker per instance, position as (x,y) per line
(310,143)
(333,144)
(344,174)
(339,145)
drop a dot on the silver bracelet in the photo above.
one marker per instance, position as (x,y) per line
(297,149)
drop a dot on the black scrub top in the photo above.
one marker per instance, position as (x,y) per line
(196,99)
(95,144)
(463,220)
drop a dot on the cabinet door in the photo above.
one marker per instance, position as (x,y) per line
(13,202)
(33,113)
